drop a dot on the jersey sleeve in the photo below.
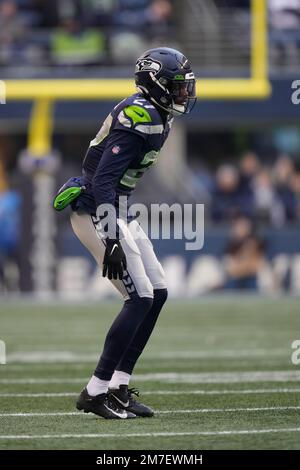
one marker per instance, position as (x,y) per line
(138,120)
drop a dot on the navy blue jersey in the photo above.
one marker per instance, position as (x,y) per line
(127,144)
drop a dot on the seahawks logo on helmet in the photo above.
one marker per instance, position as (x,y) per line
(147,65)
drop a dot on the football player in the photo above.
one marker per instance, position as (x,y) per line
(127,144)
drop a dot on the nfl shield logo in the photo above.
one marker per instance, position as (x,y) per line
(116,149)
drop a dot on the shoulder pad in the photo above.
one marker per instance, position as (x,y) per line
(137,114)
(141,119)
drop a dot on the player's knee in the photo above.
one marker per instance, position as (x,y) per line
(145,303)
(160,296)
(142,304)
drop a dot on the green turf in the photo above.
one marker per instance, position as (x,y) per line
(212,337)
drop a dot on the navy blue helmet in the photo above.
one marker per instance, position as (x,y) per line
(165,76)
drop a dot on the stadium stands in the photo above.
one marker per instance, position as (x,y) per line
(43,34)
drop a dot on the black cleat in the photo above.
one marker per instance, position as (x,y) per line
(101,405)
(123,398)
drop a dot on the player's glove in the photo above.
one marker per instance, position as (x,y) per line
(114,262)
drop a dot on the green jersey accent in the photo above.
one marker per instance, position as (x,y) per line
(137,114)
(179,77)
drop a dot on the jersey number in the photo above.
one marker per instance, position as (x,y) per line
(131,177)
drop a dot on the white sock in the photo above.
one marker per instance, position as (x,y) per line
(97,386)
(119,378)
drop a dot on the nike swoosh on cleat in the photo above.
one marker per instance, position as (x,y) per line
(120,401)
(113,248)
(121,415)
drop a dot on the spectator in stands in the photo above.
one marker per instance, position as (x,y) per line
(268,208)
(159,16)
(132,14)
(244,256)
(284,18)
(249,167)
(229,198)
(283,173)
(9,223)
(12,31)
(101,12)
(74,45)
(283,169)
(295,187)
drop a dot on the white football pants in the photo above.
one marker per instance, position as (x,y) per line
(144,272)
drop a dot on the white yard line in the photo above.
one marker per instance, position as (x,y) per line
(33,381)
(69,356)
(222,392)
(37,414)
(149,434)
(38,395)
(231,410)
(158,412)
(174,377)
(161,392)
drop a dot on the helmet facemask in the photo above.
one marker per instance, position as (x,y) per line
(178,96)
(183,95)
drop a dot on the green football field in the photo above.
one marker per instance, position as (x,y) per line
(218,372)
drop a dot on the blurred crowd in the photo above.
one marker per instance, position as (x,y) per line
(95,32)
(10,220)
(284,27)
(266,194)
(284,21)
(246,199)
(80,32)
(250,197)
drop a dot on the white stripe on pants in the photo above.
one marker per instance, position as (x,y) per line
(144,272)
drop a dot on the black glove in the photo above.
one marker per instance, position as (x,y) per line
(114,262)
